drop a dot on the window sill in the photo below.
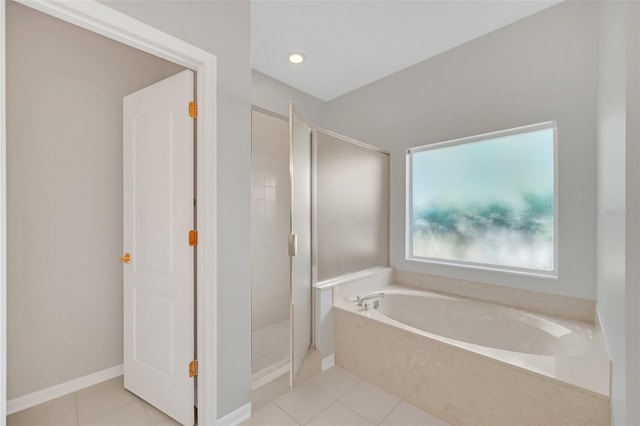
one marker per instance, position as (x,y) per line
(551,275)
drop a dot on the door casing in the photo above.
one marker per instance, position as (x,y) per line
(112,24)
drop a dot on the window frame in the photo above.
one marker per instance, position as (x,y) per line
(409,255)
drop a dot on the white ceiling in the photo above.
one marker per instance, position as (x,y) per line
(349,44)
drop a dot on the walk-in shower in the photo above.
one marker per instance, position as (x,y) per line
(320,212)
(271,208)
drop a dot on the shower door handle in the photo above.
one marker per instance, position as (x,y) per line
(293,245)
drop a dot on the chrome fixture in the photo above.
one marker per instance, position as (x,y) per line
(364,301)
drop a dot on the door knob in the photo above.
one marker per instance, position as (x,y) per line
(126,258)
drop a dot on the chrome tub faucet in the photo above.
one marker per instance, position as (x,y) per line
(364,300)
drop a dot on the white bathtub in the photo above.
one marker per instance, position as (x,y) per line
(491,353)
(567,350)
(481,324)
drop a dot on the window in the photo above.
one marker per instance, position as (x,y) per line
(486,201)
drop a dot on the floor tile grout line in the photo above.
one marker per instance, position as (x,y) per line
(360,379)
(276,404)
(100,385)
(289,415)
(339,401)
(113,411)
(293,390)
(390,411)
(75,399)
(72,407)
(281,409)
(110,411)
(322,411)
(330,396)
(350,387)
(353,411)
(146,412)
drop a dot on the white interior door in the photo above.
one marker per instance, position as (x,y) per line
(158,215)
(301,228)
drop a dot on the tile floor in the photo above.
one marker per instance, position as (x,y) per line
(332,398)
(105,404)
(336,397)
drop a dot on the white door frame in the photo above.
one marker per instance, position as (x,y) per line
(112,24)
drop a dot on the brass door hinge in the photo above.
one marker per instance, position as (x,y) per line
(193,368)
(193,109)
(193,238)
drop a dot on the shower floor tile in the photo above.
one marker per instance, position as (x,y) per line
(269,348)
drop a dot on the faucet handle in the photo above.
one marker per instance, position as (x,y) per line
(366,305)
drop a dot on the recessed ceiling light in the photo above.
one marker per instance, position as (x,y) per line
(296,58)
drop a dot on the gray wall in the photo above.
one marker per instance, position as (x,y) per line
(64,169)
(538,69)
(618,194)
(222,28)
(273,95)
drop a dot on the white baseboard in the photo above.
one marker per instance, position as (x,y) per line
(48,394)
(236,416)
(328,362)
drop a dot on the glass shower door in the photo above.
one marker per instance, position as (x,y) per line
(300,241)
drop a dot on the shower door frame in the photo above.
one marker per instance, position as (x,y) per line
(314,203)
(259,381)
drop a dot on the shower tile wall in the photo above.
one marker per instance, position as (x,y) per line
(271,216)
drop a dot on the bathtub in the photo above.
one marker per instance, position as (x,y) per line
(473,362)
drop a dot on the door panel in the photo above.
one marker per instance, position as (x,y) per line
(301,227)
(158,215)
(153,227)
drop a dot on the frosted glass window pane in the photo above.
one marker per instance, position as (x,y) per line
(488,202)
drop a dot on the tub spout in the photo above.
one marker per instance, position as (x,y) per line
(364,300)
